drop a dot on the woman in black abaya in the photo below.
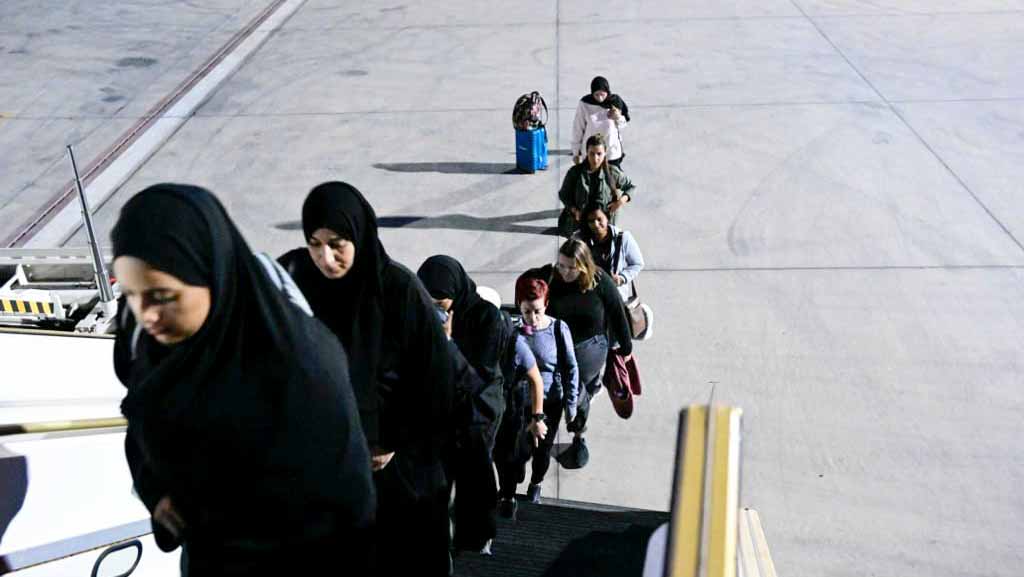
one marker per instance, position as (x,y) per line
(479,332)
(243,436)
(475,323)
(408,380)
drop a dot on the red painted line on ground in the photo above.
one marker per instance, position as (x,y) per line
(25,232)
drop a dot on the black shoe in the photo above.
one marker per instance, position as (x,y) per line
(507,508)
(576,456)
(579,444)
(533,494)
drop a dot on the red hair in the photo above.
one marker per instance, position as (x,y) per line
(530,289)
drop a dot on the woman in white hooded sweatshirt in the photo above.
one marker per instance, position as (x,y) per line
(599,112)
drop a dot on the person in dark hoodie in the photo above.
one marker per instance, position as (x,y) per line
(475,323)
(243,438)
(412,387)
(585,298)
(477,330)
(599,112)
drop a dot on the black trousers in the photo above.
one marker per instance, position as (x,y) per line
(542,454)
(511,472)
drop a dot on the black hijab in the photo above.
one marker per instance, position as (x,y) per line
(601,83)
(183,231)
(598,83)
(352,305)
(444,278)
(225,402)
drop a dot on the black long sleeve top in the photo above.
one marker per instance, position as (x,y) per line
(598,311)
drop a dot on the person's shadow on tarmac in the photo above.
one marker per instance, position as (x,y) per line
(460,167)
(507,223)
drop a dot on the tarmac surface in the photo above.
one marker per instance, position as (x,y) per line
(828,204)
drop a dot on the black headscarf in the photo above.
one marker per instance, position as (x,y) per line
(598,83)
(601,83)
(259,387)
(183,231)
(350,306)
(444,278)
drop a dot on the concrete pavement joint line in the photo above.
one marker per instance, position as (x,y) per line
(881,268)
(135,132)
(67,222)
(841,268)
(550,109)
(783,17)
(942,161)
(558,166)
(539,24)
(675,20)
(914,131)
(956,100)
(681,105)
(914,14)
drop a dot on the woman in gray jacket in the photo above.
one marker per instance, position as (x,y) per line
(614,250)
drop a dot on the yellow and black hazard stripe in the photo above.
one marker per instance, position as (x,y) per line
(9,306)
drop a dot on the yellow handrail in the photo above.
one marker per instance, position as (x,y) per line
(702,540)
(61,426)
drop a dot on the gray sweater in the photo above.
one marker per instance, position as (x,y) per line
(545,351)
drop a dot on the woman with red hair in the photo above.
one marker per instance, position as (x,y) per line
(551,343)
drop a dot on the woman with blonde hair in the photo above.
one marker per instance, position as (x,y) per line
(585,298)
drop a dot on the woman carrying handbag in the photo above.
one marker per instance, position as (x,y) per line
(616,252)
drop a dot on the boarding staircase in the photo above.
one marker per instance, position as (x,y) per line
(54,316)
(704,534)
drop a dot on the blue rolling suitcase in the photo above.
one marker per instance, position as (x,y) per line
(532,149)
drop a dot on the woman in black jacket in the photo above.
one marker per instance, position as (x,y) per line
(479,332)
(406,375)
(243,437)
(476,325)
(584,297)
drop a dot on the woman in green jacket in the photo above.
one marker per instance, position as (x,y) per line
(593,181)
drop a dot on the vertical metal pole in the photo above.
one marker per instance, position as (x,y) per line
(98,267)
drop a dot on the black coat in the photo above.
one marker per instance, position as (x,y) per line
(249,424)
(598,311)
(417,377)
(417,394)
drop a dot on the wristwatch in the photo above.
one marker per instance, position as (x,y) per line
(539,417)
